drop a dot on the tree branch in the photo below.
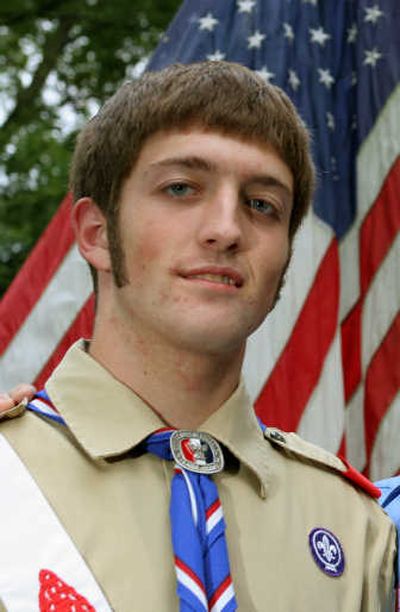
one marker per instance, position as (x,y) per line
(27,96)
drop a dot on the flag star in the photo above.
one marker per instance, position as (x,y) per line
(288,31)
(318,35)
(372,56)
(246,6)
(208,22)
(372,14)
(217,56)
(325,77)
(313,2)
(266,74)
(352,33)
(255,40)
(354,78)
(294,80)
(330,121)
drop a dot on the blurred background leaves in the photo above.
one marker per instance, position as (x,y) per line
(59,60)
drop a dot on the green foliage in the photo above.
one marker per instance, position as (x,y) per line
(59,60)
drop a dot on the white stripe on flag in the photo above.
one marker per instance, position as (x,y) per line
(266,344)
(193,587)
(375,158)
(385,455)
(378,153)
(355,430)
(47,323)
(224,599)
(381,303)
(323,419)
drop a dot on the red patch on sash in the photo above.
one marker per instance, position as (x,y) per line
(57,596)
(359,479)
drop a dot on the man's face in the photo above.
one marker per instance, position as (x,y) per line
(203,223)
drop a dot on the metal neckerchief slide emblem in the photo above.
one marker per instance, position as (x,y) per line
(197,451)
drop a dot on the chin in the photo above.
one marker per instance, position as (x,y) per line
(212,341)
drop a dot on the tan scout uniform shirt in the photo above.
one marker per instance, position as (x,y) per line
(114,502)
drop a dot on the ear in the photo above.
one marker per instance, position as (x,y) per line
(90,228)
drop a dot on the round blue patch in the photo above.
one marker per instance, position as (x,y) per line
(327,551)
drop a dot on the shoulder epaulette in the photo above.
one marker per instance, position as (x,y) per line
(294,444)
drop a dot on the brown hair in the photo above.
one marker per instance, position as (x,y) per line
(219,96)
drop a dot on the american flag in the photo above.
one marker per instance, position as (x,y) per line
(327,360)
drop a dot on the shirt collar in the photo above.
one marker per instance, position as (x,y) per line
(109,419)
(105,416)
(236,426)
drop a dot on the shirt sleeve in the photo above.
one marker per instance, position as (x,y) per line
(390,502)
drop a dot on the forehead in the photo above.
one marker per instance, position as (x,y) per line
(211,151)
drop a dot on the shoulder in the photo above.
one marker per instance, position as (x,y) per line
(390,497)
(23,430)
(292,445)
(390,489)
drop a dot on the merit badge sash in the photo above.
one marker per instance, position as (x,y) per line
(40,567)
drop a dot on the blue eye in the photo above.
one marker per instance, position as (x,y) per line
(262,206)
(179,189)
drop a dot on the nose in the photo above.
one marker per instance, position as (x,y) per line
(221,228)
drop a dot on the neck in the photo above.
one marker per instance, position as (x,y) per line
(183,387)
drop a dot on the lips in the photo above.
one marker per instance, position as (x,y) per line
(219,275)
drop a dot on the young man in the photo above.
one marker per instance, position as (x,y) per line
(189,186)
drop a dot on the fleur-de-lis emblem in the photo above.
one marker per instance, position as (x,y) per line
(328,550)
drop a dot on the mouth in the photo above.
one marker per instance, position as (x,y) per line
(221,276)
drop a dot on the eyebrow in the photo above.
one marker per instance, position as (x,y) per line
(267,180)
(194,162)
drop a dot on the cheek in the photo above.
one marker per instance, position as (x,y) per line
(271,268)
(143,247)
(274,261)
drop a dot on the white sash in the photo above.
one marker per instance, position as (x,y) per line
(33,539)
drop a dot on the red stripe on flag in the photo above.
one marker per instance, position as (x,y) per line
(296,373)
(351,351)
(219,591)
(380,227)
(382,383)
(377,233)
(342,448)
(36,273)
(81,327)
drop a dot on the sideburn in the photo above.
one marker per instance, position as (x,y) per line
(117,255)
(282,281)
